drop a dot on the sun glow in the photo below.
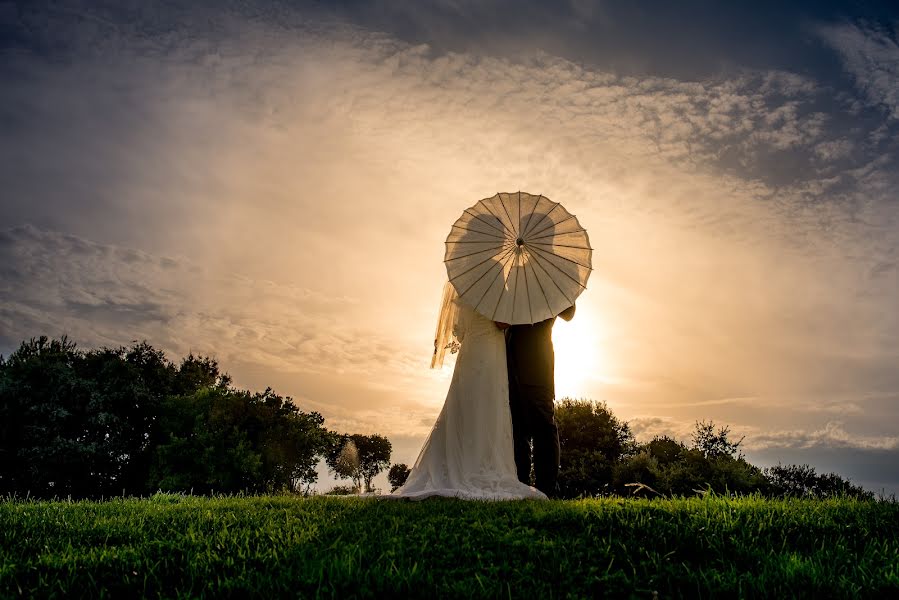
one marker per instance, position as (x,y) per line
(578,354)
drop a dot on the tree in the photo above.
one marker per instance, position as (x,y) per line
(592,440)
(374,456)
(714,444)
(116,420)
(785,481)
(359,457)
(397,475)
(45,444)
(346,463)
(226,440)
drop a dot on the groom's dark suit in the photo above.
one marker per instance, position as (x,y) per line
(531,364)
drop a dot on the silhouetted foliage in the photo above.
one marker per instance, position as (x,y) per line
(600,456)
(715,444)
(113,421)
(342,490)
(798,481)
(359,457)
(669,467)
(592,441)
(128,421)
(345,463)
(397,475)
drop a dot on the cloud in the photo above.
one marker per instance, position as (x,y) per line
(101,294)
(871,57)
(276,190)
(832,435)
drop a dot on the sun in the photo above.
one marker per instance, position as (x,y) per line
(578,355)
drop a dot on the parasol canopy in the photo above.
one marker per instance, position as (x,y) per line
(518,258)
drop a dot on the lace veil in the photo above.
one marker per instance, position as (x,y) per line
(446,337)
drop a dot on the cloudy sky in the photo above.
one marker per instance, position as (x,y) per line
(271,183)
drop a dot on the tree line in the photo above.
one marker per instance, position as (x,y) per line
(601,457)
(116,421)
(127,421)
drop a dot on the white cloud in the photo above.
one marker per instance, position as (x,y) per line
(303,177)
(103,294)
(832,435)
(871,57)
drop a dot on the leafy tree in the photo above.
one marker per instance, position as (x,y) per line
(592,440)
(640,470)
(221,439)
(374,456)
(105,421)
(786,481)
(346,464)
(665,450)
(397,475)
(46,448)
(359,457)
(205,449)
(715,444)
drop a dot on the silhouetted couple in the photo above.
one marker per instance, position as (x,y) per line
(499,406)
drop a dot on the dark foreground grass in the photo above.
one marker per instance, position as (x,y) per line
(176,546)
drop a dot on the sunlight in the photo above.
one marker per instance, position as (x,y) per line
(578,354)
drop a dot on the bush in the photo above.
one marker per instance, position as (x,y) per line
(342,490)
(592,440)
(397,476)
(112,421)
(801,481)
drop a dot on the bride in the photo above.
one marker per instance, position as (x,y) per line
(469,452)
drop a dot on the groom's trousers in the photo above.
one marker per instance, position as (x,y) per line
(533,420)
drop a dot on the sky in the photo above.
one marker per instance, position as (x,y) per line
(271,184)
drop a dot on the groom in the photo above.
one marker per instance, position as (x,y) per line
(529,353)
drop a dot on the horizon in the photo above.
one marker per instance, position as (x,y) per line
(271,184)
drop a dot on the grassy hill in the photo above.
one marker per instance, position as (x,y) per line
(177,546)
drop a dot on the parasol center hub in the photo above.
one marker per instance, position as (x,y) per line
(520,242)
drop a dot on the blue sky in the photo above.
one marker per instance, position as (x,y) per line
(271,183)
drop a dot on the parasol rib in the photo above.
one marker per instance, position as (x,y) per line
(545,216)
(508,216)
(473,267)
(506,231)
(488,223)
(531,216)
(538,261)
(560,245)
(540,285)
(556,267)
(527,296)
(551,235)
(480,232)
(518,222)
(571,260)
(496,250)
(515,291)
(500,297)
(552,225)
(479,278)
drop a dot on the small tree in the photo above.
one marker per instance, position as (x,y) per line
(346,464)
(360,458)
(374,456)
(715,445)
(397,475)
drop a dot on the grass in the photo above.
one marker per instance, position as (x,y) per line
(177,546)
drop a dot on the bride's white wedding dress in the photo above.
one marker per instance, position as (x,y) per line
(469,453)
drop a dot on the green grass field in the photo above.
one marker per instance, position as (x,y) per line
(175,546)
